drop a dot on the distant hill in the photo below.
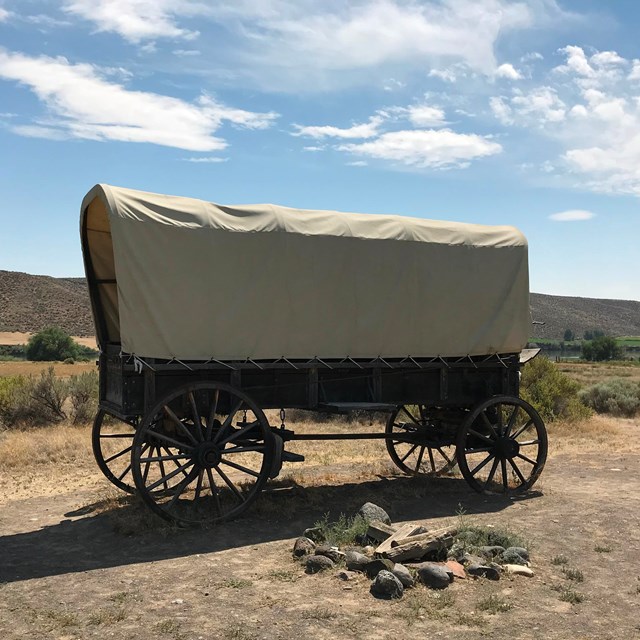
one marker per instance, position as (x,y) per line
(614,317)
(29,303)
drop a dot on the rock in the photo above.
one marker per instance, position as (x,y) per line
(510,556)
(356,561)
(314,533)
(434,575)
(386,585)
(369,551)
(456,569)
(332,553)
(371,512)
(347,575)
(518,570)
(491,552)
(468,558)
(303,547)
(403,574)
(457,552)
(483,571)
(318,563)
(521,551)
(374,567)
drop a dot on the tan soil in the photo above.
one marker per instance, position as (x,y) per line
(68,569)
(12,338)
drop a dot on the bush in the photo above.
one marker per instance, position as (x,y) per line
(601,348)
(618,396)
(553,394)
(51,344)
(83,394)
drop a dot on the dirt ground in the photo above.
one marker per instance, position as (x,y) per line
(16,337)
(78,562)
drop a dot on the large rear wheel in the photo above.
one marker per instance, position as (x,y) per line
(202,454)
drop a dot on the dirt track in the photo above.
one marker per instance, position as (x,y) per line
(69,572)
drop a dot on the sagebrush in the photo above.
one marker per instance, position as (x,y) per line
(618,397)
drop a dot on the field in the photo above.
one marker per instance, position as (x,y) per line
(81,561)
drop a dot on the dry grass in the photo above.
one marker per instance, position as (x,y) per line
(26,368)
(588,373)
(13,338)
(54,445)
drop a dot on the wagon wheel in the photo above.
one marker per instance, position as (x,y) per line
(502,446)
(202,454)
(112,444)
(423,450)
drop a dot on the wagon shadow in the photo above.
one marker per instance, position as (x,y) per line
(125,533)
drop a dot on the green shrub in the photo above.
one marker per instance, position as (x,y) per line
(601,348)
(83,394)
(619,397)
(50,344)
(552,393)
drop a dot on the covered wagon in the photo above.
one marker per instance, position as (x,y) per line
(208,314)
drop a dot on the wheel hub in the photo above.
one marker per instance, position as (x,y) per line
(208,455)
(507,448)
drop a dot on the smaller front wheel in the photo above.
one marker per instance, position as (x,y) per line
(502,446)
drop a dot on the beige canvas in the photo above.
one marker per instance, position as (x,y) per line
(197,280)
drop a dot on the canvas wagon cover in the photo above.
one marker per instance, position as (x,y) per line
(176,277)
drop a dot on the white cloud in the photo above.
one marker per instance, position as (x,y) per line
(365,130)
(426,116)
(535,108)
(206,159)
(314,149)
(45,21)
(508,71)
(430,148)
(81,103)
(501,109)
(534,55)
(573,215)
(186,52)
(357,163)
(634,74)
(4,15)
(138,20)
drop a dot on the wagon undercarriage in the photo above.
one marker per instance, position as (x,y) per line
(199,449)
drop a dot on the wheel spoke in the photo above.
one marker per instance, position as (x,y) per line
(242,449)
(410,416)
(228,482)
(178,491)
(168,476)
(444,455)
(196,416)
(162,471)
(512,420)
(522,429)
(431,460)
(172,459)
(479,450)
(212,414)
(236,434)
(492,473)
(228,421)
(529,460)
(196,494)
(411,450)
(503,469)
(240,467)
(518,473)
(117,455)
(174,418)
(145,473)
(487,422)
(117,435)
(168,457)
(499,420)
(214,491)
(483,437)
(177,443)
(124,473)
(420,458)
(528,443)
(482,464)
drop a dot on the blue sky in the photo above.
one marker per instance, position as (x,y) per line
(488,111)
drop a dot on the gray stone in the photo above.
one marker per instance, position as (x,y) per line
(403,574)
(518,570)
(434,575)
(303,547)
(386,585)
(318,563)
(314,533)
(374,567)
(511,556)
(468,558)
(483,571)
(521,551)
(330,552)
(371,512)
(491,552)
(356,561)
(347,575)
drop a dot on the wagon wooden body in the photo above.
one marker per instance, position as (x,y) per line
(208,315)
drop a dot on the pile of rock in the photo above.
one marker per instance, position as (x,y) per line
(395,558)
